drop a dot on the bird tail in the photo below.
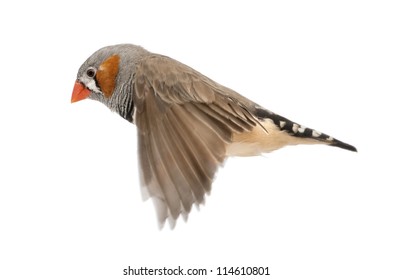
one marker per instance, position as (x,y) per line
(342,145)
(300,131)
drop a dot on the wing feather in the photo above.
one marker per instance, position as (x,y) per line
(185,122)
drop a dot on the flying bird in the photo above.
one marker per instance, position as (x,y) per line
(187,124)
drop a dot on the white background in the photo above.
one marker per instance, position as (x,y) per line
(70,204)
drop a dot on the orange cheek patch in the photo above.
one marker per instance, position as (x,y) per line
(106,75)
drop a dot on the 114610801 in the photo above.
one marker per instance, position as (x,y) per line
(244,270)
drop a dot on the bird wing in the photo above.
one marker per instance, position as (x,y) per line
(185,121)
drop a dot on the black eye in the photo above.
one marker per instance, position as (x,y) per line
(91,72)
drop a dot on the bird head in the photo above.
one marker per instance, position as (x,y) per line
(107,75)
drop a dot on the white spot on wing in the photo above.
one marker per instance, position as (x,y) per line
(316,133)
(330,138)
(282,124)
(295,127)
(302,129)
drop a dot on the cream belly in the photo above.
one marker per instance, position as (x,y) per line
(258,141)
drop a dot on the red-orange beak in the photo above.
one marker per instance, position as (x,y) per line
(80,92)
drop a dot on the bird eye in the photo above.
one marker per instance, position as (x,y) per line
(90,72)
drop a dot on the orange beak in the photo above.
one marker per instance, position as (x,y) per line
(80,92)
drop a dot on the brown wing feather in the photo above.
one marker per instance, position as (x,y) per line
(185,122)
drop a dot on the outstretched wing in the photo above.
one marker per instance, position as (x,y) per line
(185,121)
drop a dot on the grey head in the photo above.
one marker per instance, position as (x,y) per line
(106,76)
